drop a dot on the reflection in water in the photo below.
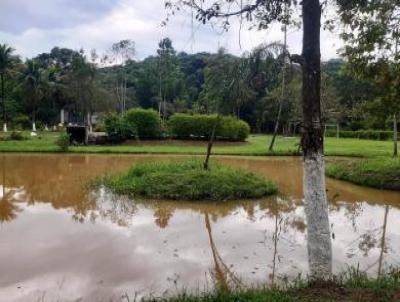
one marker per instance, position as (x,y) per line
(225,279)
(8,210)
(383,247)
(61,239)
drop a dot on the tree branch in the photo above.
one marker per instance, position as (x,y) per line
(297,59)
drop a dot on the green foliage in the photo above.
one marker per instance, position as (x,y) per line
(188,180)
(143,123)
(146,122)
(63,141)
(350,286)
(117,128)
(21,122)
(16,136)
(200,126)
(381,173)
(362,134)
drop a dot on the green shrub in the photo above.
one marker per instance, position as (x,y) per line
(188,180)
(362,134)
(16,136)
(117,128)
(22,122)
(200,126)
(63,141)
(146,122)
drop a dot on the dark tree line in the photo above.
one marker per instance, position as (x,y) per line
(249,87)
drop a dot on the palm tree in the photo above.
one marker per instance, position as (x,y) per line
(35,84)
(6,62)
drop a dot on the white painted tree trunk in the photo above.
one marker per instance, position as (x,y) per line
(316,209)
(5,127)
(89,122)
(62,117)
(33,127)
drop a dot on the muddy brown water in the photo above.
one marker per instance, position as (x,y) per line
(60,241)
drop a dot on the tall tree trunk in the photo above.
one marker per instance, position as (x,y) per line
(278,117)
(316,205)
(395,137)
(276,128)
(210,144)
(3,100)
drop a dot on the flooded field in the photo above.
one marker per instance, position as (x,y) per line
(60,241)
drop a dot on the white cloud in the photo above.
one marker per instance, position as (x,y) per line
(140,21)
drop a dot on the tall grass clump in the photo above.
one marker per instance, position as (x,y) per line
(187,180)
(381,172)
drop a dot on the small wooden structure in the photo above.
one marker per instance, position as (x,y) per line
(78,134)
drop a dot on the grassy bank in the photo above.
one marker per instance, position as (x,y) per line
(187,180)
(380,172)
(355,289)
(255,145)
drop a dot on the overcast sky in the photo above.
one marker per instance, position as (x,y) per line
(35,26)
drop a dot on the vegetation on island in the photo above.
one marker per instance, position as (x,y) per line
(188,180)
(379,172)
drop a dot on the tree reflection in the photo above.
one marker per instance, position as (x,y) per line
(225,279)
(383,240)
(8,210)
(162,215)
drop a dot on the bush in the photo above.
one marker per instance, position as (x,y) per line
(143,123)
(117,128)
(146,122)
(16,136)
(188,180)
(63,141)
(200,126)
(362,134)
(22,122)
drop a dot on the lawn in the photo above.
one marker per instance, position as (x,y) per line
(255,145)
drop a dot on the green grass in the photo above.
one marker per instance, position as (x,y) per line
(353,287)
(187,180)
(379,172)
(256,145)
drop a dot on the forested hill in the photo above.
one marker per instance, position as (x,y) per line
(249,87)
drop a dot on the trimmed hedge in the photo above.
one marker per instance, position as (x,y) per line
(142,123)
(200,126)
(362,134)
(146,122)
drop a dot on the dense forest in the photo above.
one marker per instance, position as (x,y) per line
(248,87)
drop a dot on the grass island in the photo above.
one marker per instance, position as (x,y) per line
(188,180)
